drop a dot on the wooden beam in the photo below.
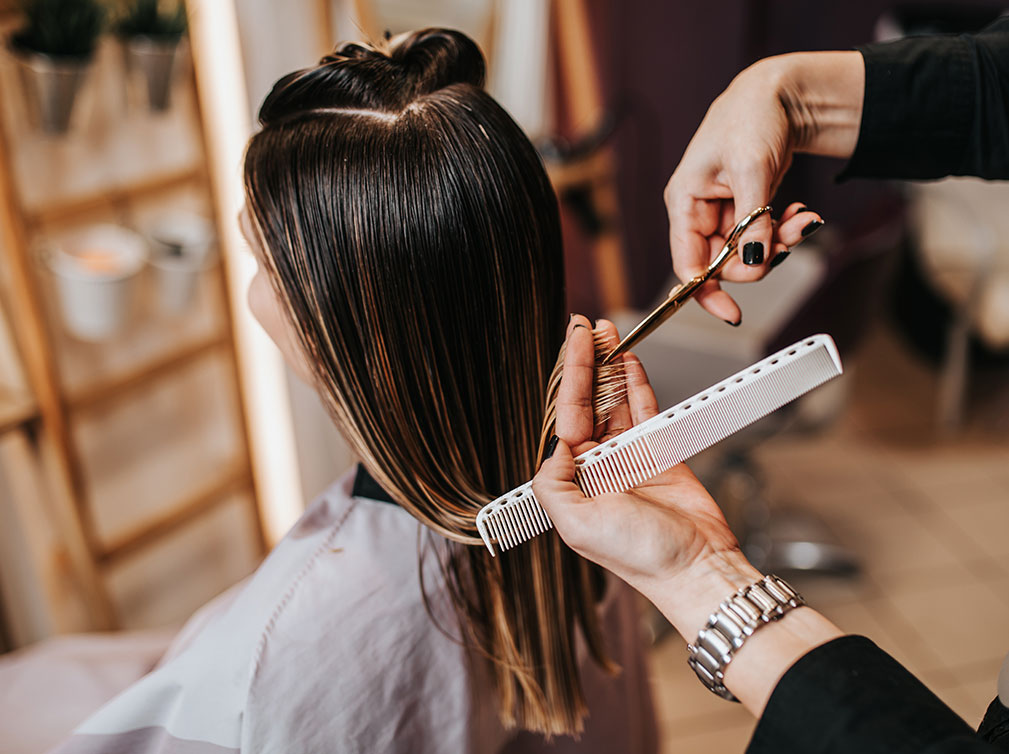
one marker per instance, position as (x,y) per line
(367,20)
(223,277)
(262,376)
(234,478)
(581,91)
(69,209)
(40,368)
(15,411)
(120,385)
(324,12)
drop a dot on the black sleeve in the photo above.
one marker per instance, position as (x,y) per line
(935,106)
(850,696)
(995,726)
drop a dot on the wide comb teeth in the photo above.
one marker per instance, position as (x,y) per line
(515,518)
(671,437)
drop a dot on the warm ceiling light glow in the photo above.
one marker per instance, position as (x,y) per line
(213,35)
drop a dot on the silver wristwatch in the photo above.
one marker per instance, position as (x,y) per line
(730,625)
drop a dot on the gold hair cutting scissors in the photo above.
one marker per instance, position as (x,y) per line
(682,293)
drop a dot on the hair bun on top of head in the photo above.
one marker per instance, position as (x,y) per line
(388,77)
(437,58)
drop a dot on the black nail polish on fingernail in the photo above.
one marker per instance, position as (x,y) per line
(550,448)
(753,253)
(801,209)
(779,258)
(579,325)
(734,324)
(810,229)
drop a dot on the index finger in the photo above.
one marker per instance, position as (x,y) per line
(693,224)
(691,221)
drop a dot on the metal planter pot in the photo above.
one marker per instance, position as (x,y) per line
(181,248)
(95,271)
(50,85)
(152,60)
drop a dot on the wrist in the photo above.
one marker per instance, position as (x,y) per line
(821,94)
(687,598)
(767,655)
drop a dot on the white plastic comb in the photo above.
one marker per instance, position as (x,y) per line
(672,436)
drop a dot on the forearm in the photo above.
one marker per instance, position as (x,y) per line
(822,95)
(688,599)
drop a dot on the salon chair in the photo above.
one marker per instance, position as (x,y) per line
(833,284)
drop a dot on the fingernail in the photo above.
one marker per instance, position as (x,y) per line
(579,325)
(550,448)
(801,209)
(734,324)
(810,229)
(753,253)
(781,257)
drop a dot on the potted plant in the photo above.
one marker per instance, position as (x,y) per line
(151,31)
(55,48)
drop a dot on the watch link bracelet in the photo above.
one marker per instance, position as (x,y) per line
(729,626)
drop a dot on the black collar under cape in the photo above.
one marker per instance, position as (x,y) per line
(366,486)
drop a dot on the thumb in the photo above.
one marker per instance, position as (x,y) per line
(750,191)
(554,484)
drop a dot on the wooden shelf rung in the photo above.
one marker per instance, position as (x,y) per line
(119,385)
(16,411)
(234,478)
(112,196)
(587,171)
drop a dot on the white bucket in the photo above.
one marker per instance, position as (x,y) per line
(95,270)
(181,245)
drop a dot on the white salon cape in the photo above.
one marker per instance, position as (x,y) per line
(328,647)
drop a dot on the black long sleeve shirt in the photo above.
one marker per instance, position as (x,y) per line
(934,106)
(850,697)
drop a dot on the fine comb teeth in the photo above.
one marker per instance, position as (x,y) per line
(672,436)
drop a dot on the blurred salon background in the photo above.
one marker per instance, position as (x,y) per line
(153,447)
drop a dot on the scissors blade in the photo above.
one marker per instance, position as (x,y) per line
(673,303)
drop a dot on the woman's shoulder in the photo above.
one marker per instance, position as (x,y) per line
(355,651)
(352,548)
(338,537)
(343,550)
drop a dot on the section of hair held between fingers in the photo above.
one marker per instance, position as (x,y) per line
(609,387)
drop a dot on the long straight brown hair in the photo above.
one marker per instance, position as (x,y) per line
(414,237)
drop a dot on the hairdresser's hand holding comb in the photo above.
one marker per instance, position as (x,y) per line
(660,531)
(667,537)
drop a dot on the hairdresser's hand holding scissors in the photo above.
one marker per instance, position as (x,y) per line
(667,537)
(809,102)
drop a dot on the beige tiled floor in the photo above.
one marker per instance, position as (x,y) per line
(929,517)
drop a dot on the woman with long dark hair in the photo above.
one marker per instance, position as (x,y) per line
(410,270)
